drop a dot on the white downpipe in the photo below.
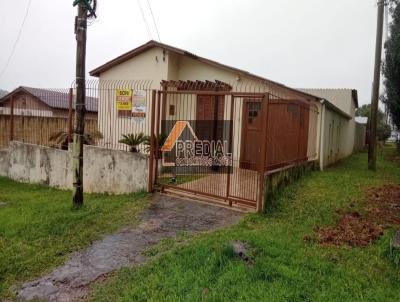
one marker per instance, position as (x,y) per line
(322,137)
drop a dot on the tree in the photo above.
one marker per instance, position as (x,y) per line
(365,111)
(391,66)
(383,130)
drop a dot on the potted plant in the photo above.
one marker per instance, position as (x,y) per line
(133,141)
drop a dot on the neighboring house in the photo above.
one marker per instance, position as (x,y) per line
(38,114)
(30,101)
(340,135)
(171,68)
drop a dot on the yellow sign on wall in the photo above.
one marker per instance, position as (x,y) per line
(124,99)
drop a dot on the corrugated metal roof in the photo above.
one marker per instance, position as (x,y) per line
(54,99)
(335,95)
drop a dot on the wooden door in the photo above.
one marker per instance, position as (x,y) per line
(209,110)
(252,121)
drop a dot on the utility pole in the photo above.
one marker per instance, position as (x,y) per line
(375,91)
(79,130)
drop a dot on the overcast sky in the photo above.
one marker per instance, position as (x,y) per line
(300,43)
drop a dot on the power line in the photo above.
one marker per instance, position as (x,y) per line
(154,21)
(145,21)
(17,40)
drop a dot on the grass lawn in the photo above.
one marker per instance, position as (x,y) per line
(285,267)
(39,229)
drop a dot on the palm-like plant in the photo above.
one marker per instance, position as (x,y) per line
(133,140)
(60,138)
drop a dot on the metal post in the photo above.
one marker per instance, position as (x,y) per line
(375,91)
(152,140)
(12,119)
(70,125)
(157,138)
(77,150)
(230,168)
(263,155)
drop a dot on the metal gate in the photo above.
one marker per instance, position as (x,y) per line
(197,143)
(218,145)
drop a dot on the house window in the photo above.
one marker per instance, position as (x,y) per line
(171,109)
(294,110)
(253,111)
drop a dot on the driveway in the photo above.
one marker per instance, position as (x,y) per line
(163,219)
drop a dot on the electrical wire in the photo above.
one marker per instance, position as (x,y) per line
(16,40)
(145,21)
(154,21)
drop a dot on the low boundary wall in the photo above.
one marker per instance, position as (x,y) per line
(105,170)
(276,179)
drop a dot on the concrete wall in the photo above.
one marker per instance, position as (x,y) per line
(114,171)
(4,162)
(105,171)
(36,164)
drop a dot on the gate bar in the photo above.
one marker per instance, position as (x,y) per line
(157,147)
(243,201)
(150,185)
(212,93)
(12,119)
(261,173)
(70,126)
(228,181)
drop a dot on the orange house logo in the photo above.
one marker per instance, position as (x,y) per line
(195,152)
(175,134)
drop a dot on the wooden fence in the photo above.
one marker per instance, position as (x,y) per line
(37,129)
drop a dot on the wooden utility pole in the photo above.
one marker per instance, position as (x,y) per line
(77,149)
(375,90)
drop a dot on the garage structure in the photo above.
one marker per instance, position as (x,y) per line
(340,133)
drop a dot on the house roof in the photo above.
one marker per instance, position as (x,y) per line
(326,102)
(336,109)
(333,94)
(52,98)
(151,44)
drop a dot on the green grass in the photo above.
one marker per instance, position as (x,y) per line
(39,228)
(285,268)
